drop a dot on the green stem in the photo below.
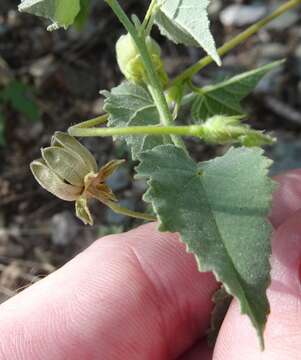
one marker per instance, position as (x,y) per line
(127,212)
(192,130)
(154,85)
(228,134)
(192,70)
(100,120)
(188,73)
(148,20)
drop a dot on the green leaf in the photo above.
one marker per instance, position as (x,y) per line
(132,105)
(20,97)
(186,22)
(224,98)
(62,13)
(224,225)
(82,16)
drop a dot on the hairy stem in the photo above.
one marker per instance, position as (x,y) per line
(148,19)
(154,85)
(192,70)
(127,212)
(199,131)
(192,130)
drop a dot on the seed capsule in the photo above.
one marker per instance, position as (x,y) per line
(69,171)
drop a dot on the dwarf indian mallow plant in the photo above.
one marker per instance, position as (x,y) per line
(221,223)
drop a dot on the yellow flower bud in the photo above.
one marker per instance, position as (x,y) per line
(219,129)
(130,62)
(228,130)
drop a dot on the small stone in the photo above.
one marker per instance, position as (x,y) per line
(269,83)
(9,249)
(273,51)
(97,106)
(117,219)
(6,75)
(29,132)
(63,228)
(139,186)
(80,82)
(298,52)
(10,277)
(241,15)
(41,66)
(284,21)
(3,30)
(286,155)
(119,180)
(215,8)
(298,60)
(13,18)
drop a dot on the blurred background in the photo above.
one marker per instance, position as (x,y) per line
(49,81)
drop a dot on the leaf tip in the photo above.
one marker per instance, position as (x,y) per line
(218,60)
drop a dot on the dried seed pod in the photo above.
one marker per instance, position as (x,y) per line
(51,182)
(69,171)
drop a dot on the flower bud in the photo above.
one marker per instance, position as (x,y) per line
(228,130)
(69,171)
(131,64)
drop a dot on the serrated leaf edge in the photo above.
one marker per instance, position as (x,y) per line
(161,227)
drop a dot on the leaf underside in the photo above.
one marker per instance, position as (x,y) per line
(132,105)
(83,14)
(62,13)
(219,207)
(186,22)
(224,98)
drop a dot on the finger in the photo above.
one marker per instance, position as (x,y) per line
(237,339)
(133,296)
(52,285)
(200,351)
(287,198)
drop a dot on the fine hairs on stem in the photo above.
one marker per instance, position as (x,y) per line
(155,87)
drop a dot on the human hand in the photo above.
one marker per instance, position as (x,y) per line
(139,296)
